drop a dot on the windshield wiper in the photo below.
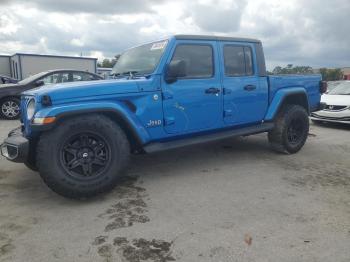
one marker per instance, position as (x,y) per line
(129,74)
(114,74)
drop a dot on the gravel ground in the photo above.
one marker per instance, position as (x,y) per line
(233,200)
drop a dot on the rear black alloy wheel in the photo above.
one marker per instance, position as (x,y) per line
(295,131)
(10,108)
(85,155)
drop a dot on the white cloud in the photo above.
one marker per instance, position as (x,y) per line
(77,42)
(8,25)
(303,32)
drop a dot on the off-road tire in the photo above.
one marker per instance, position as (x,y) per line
(286,118)
(31,166)
(9,100)
(55,173)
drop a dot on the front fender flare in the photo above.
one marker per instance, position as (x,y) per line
(123,111)
(279,98)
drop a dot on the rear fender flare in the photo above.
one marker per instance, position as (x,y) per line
(281,97)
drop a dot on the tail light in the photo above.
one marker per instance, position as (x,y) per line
(323,87)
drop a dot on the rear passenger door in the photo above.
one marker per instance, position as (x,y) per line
(245,99)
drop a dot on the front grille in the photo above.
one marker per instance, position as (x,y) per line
(24,103)
(24,119)
(335,108)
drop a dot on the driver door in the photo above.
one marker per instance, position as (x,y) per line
(194,102)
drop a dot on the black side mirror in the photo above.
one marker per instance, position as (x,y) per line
(175,70)
(39,83)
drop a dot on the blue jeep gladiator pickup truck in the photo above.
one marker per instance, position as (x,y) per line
(178,91)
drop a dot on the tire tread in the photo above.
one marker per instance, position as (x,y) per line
(97,121)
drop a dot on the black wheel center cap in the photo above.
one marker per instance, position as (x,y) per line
(86,153)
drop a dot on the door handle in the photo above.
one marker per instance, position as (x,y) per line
(249,87)
(212,90)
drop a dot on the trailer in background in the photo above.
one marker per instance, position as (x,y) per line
(21,65)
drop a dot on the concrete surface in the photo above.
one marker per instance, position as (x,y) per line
(233,200)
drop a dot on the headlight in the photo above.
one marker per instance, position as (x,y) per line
(31,109)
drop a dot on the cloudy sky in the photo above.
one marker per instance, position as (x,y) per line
(301,32)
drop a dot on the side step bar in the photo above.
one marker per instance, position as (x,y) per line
(160,146)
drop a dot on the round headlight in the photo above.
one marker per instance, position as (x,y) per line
(31,109)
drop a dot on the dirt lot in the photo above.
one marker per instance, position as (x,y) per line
(233,200)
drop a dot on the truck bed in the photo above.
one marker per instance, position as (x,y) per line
(311,83)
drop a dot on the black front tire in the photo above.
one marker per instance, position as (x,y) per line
(291,129)
(10,108)
(83,157)
(31,166)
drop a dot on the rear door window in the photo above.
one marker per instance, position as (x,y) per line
(248,60)
(238,60)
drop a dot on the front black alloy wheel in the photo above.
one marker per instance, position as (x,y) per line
(83,156)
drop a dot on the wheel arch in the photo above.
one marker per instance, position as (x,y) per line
(120,114)
(292,96)
(2,98)
(127,126)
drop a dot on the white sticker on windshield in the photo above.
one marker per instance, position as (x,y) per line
(159,45)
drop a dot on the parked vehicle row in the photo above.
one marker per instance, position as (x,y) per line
(175,92)
(10,93)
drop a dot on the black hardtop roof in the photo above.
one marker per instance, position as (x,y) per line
(216,38)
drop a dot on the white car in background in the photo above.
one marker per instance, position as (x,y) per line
(333,84)
(337,105)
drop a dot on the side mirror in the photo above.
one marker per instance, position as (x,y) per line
(175,70)
(39,83)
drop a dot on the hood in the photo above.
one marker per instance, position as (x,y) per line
(80,90)
(337,100)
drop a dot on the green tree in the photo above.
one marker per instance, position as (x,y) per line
(331,74)
(109,63)
(290,69)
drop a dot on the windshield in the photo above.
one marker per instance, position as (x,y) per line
(332,84)
(140,60)
(341,89)
(32,78)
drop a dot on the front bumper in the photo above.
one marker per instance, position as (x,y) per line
(331,120)
(329,116)
(15,147)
